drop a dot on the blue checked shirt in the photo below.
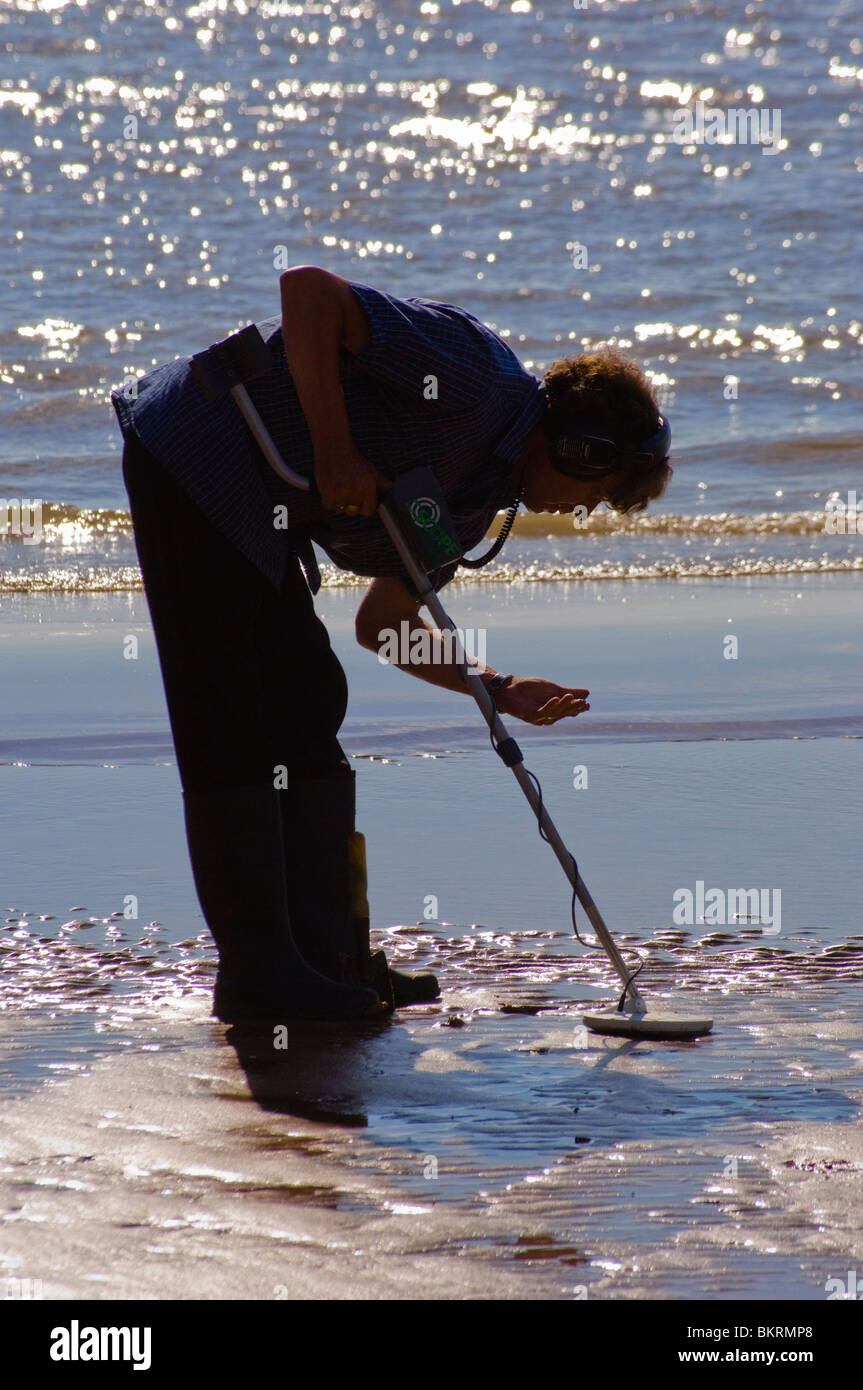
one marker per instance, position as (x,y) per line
(433,386)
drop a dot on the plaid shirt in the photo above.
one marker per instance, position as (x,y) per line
(433,386)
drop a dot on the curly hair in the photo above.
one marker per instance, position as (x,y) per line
(607,394)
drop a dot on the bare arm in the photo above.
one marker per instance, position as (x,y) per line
(388,603)
(320,314)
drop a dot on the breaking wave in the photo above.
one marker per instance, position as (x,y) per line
(91,550)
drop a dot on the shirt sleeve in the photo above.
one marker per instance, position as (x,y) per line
(428,352)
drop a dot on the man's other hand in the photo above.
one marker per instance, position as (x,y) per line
(536,701)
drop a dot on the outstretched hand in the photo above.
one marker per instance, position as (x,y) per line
(536,701)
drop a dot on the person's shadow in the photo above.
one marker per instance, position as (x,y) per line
(343,1073)
(330,1072)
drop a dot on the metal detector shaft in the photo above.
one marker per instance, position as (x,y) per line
(264,439)
(486,704)
(429,598)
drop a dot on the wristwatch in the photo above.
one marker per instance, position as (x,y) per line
(497,684)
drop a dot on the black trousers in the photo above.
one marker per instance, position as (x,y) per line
(251,680)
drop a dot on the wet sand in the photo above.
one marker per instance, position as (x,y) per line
(501,1159)
(485,1146)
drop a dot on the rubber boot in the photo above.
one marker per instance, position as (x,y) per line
(397,987)
(318,820)
(235,844)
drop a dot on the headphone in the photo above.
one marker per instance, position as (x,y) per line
(593,455)
(585,456)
